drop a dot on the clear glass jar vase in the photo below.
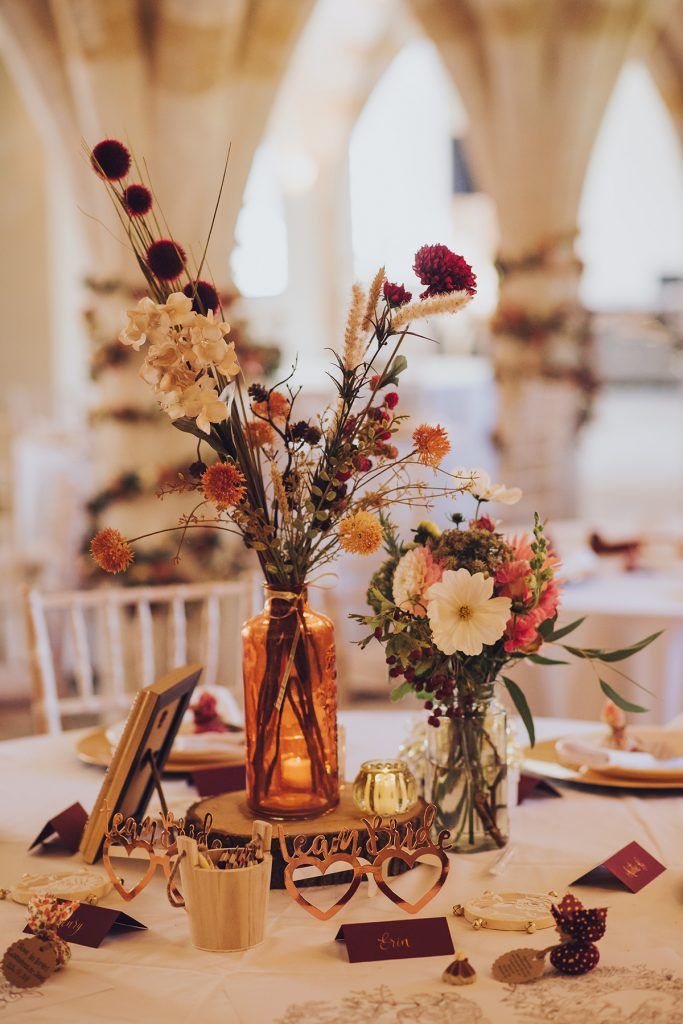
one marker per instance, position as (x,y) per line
(290,702)
(467,777)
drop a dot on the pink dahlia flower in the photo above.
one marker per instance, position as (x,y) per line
(413,576)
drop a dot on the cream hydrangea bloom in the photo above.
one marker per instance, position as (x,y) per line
(178,308)
(413,575)
(463,614)
(201,403)
(141,320)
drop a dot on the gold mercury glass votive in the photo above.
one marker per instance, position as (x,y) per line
(384,787)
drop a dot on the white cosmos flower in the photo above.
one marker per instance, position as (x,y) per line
(463,614)
(478,483)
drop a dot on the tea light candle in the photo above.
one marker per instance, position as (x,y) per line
(296,772)
(385,798)
(384,787)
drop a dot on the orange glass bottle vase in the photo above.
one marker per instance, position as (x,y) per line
(290,700)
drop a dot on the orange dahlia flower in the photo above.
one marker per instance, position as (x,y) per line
(111,551)
(360,534)
(224,484)
(431,444)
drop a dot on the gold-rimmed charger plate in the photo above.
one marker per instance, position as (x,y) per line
(542,760)
(95,748)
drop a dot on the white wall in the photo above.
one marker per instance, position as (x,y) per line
(28,367)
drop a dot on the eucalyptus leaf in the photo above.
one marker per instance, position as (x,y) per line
(557,634)
(617,699)
(520,702)
(621,654)
(401,691)
(540,659)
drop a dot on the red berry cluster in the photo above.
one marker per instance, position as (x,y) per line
(371,439)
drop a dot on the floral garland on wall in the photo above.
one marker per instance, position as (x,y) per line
(555,344)
(114,371)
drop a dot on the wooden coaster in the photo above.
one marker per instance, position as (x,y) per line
(233,821)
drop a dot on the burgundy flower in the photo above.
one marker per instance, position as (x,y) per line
(206,717)
(166,259)
(110,159)
(204,296)
(138,200)
(391,400)
(443,271)
(395,294)
(483,523)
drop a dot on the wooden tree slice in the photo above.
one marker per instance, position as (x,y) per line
(233,821)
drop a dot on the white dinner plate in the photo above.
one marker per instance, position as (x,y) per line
(189,743)
(662,759)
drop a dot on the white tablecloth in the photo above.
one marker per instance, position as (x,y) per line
(301,975)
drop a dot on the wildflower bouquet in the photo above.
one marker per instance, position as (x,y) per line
(296,490)
(456,610)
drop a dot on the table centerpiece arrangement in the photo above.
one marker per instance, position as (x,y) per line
(455,611)
(298,491)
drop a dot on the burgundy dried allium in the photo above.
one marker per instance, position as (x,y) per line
(138,200)
(257,392)
(304,431)
(443,271)
(166,259)
(395,294)
(204,296)
(110,159)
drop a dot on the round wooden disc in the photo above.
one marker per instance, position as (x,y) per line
(233,821)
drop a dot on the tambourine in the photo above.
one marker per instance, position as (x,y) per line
(508,911)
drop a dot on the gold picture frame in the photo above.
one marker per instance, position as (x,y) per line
(139,758)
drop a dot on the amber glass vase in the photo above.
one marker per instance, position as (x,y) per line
(290,699)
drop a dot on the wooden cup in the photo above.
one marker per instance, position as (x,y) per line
(227,908)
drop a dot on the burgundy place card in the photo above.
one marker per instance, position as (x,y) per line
(632,867)
(396,940)
(67,826)
(227,779)
(89,924)
(534,784)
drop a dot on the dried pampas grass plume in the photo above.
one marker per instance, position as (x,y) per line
(352,334)
(373,298)
(451,302)
(280,494)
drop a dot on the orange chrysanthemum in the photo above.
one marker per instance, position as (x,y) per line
(360,534)
(260,433)
(111,551)
(276,406)
(224,484)
(431,444)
